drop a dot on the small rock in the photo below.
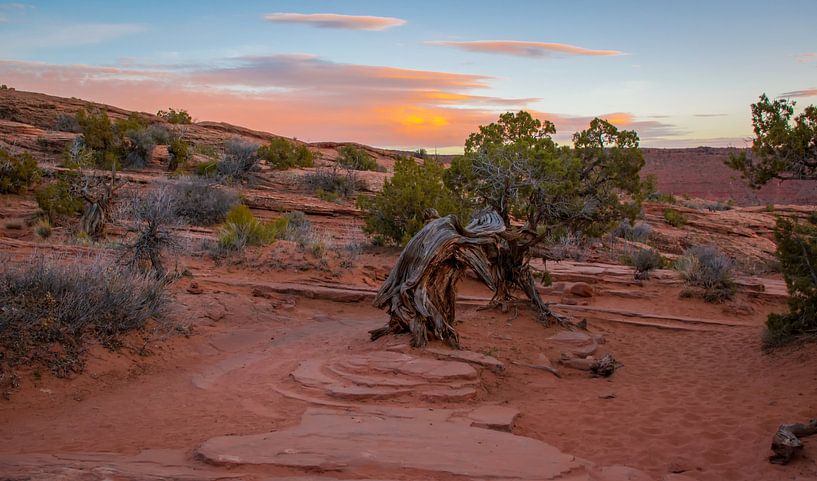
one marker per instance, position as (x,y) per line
(498,418)
(609,395)
(581,289)
(194,288)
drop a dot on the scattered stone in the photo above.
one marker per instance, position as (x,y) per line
(581,289)
(469,356)
(346,441)
(194,288)
(498,418)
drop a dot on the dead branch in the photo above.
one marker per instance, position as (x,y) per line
(786,443)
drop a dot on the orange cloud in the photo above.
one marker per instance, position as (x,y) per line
(334,20)
(800,93)
(524,49)
(305,97)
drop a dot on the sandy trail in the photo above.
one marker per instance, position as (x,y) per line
(696,396)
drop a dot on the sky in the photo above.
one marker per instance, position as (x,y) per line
(423,74)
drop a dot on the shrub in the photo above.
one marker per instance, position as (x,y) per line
(402,207)
(17,172)
(178,154)
(281,154)
(645,261)
(159,133)
(356,158)
(639,232)
(52,306)
(139,148)
(568,245)
(239,161)
(674,218)
(706,267)
(67,123)
(57,200)
(174,116)
(242,229)
(797,252)
(43,229)
(662,198)
(330,183)
(207,169)
(200,201)
(99,138)
(154,215)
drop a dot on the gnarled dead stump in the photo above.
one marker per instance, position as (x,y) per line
(786,444)
(420,292)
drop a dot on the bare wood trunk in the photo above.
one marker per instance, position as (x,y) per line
(420,292)
(786,443)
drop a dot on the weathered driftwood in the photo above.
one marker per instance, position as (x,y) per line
(420,292)
(786,443)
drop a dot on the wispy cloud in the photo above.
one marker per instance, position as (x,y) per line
(335,20)
(806,57)
(65,36)
(800,93)
(307,97)
(524,49)
(709,115)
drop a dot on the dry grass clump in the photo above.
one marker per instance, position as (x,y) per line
(201,201)
(638,232)
(332,183)
(50,308)
(242,229)
(645,261)
(708,269)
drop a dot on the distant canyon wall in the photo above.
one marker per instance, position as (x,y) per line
(701,172)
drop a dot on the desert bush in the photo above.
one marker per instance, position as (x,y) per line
(99,137)
(17,172)
(67,123)
(331,183)
(645,261)
(154,215)
(139,147)
(638,232)
(52,307)
(281,154)
(240,159)
(178,154)
(707,268)
(200,201)
(356,158)
(408,197)
(797,252)
(43,229)
(159,133)
(207,169)
(568,245)
(299,229)
(58,200)
(661,197)
(241,229)
(674,218)
(174,116)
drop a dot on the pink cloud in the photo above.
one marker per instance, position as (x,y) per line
(306,97)
(806,57)
(800,93)
(524,49)
(334,20)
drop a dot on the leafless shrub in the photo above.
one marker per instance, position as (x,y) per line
(570,246)
(51,306)
(67,123)
(154,215)
(200,201)
(330,183)
(239,161)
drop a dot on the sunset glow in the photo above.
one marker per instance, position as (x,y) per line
(424,75)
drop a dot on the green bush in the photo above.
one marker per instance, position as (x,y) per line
(17,172)
(797,252)
(57,200)
(331,183)
(401,208)
(707,268)
(674,218)
(174,116)
(355,158)
(241,229)
(281,154)
(178,152)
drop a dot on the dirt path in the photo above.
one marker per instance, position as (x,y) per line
(282,384)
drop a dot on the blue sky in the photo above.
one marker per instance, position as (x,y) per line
(680,73)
